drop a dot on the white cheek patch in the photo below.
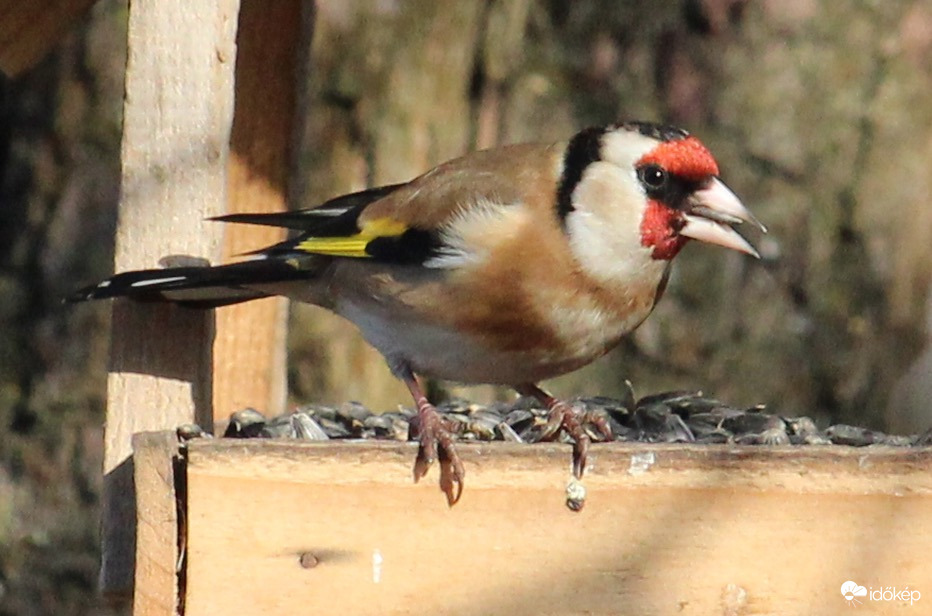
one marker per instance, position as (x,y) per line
(605,226)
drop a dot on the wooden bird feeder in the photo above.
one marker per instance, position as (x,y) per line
(266,527)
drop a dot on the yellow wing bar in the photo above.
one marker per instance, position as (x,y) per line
(354,245)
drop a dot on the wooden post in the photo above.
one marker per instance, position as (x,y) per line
(176,128)
(155,459)
(249,352)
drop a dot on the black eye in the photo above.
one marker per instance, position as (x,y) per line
(653,177)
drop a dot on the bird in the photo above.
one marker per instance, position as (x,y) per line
(504,266)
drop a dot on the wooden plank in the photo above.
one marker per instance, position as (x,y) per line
(176,126)
(698,530)
(155,456)
(249,368)
(28,30)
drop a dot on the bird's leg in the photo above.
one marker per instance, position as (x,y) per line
(436,441)
(562,417)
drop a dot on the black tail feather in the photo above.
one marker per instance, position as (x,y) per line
(198,287)
(188,283)
(335,217)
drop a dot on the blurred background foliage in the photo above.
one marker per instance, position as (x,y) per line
(818,112)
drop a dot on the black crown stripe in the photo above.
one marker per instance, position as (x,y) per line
(583,149)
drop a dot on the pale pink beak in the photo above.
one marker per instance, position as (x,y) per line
(713,212)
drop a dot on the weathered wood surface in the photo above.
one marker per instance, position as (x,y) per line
(701,530)
(249,352)
(157,525)
(176,129)
(28,30)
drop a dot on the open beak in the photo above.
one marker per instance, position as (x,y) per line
(711,215)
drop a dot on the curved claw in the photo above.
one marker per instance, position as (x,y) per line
(601,424)
(564,417)
(436,442)
(452,475)
(580,452)
(553,426)
(426,454)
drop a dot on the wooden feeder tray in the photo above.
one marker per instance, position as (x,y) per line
(279,527)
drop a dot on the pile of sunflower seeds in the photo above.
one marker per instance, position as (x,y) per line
(670,417)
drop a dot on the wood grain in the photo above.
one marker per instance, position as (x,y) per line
(176,126)
(250,356)
(157,548)
(703,530)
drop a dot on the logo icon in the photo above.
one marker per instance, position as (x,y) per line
(851,591)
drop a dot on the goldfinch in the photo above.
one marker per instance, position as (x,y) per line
(505,266)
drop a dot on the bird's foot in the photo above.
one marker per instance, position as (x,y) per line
(436,442)
(600,422)
(564,418)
